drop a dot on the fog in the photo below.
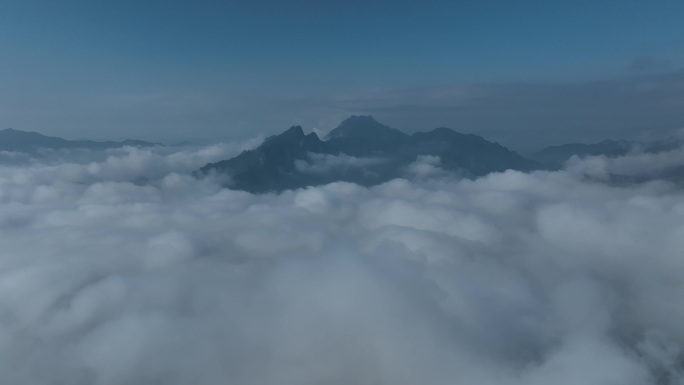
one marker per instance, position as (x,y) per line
(119,267)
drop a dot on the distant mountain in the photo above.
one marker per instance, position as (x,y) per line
(23,141)
(359,150)
(555,156)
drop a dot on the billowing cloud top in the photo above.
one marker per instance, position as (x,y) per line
(123,269)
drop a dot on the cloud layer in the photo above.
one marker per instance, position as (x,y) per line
(120,268)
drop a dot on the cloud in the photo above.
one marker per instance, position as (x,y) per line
(642,165)
(126,270)
(326,163)
(426,166)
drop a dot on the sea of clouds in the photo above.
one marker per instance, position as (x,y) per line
(120,268)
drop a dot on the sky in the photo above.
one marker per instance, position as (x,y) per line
(223,70)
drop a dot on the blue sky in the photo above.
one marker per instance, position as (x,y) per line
(173,70)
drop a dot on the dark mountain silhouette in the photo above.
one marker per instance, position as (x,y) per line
(271,166)
(23,141)
(359,150)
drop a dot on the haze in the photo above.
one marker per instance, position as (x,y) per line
(167,71)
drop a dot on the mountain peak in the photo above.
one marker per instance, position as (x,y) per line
(296,131)
(292,134)
(362,126)
(360,119)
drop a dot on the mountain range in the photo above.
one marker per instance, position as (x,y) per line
(555,156)
(360,150)
(24,141)
(364,151)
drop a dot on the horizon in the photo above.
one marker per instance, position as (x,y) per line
(524,150)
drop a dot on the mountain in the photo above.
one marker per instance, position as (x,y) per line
(359,150)
(23,141)
(364,136)
(555,156)
(466,152)
(271,166)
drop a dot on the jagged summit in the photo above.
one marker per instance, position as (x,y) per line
(293,138)
(294,131)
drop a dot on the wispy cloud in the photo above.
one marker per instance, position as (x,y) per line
(326,163)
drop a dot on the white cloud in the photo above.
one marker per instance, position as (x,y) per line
(427,166)
(640,163)
(126,270)
(326,163)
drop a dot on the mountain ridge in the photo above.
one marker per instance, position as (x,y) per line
(29,141)
(555,156)
(360,150)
